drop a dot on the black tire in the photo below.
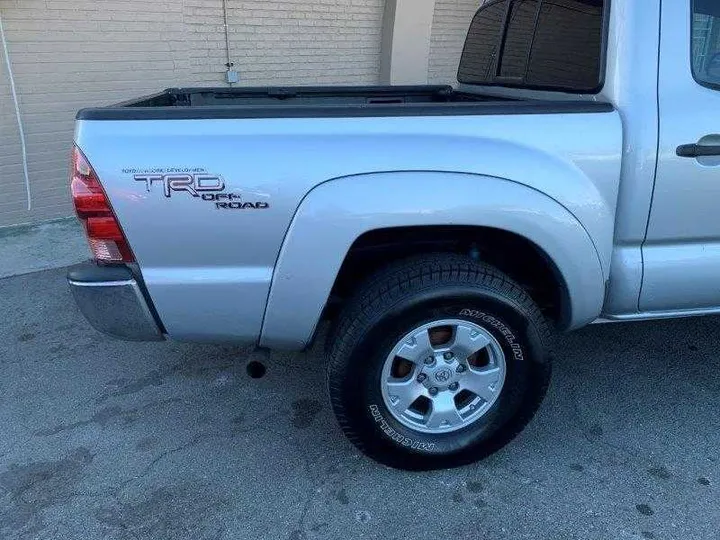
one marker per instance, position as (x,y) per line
(409,294)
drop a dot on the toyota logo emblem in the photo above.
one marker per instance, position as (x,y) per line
(443,375)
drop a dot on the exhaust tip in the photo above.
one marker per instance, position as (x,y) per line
(256,370)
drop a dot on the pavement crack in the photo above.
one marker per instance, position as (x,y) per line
(195,440)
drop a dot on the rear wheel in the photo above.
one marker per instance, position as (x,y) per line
(437,361)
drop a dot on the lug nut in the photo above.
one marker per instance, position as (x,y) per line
(461,369)
(448,356)
(433,391)
(429,361)
(454,386)
(421,378)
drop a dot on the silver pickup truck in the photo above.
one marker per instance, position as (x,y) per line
(573,176)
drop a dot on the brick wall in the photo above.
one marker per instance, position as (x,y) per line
(69,54)
(450,25)
(312,41)
(11,177)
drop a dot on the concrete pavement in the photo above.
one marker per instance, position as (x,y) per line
(29,248)
(105,439)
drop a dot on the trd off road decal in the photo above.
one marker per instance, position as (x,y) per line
(198,184)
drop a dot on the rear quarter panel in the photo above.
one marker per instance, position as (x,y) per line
(209,271)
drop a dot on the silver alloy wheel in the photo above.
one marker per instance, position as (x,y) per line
(443,376)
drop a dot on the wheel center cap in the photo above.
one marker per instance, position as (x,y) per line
(443,375)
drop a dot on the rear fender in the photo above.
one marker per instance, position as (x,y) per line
(334,214)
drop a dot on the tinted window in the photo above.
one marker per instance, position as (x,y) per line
(706,42)
(483,40)
(550,44)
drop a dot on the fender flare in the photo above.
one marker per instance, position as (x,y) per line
(335,213)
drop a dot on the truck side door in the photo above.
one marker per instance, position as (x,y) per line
(682,248)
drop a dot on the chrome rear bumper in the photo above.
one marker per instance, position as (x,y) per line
(113,302)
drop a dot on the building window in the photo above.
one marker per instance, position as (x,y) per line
(543,44)
(706,42)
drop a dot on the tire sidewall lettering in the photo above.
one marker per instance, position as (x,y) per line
(498,325)
(394,435)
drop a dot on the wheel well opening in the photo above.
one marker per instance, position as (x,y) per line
(510,253)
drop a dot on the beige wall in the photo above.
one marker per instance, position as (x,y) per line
(306,41)
(450,25)
(66,55)
(12,190)
(69,54)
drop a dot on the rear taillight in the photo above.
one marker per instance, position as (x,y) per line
(107,241)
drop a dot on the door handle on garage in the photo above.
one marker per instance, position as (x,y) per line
(698,150)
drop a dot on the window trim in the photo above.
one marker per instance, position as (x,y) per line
(695,76)
(506,82)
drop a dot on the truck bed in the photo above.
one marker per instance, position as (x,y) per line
(326,101)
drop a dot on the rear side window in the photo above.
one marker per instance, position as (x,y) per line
(541,44)
(706,42)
